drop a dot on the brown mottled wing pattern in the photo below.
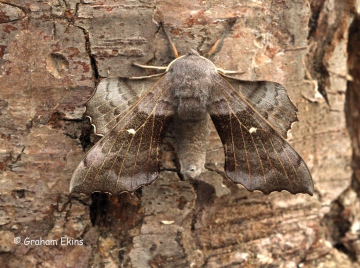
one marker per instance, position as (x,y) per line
(112,99)
(127,156)
(271,101)
(256,155)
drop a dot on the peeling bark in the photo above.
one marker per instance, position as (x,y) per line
(52,53)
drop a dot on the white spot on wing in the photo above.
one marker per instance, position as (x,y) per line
(252,130)
(167,222)
(131,131)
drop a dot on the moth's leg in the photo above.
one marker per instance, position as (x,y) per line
(227,73)
(150,67)
(145,77)
(173,48)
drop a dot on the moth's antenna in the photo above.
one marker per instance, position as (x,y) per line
(219,43)
(173,48)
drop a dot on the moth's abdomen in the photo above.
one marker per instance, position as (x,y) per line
(190,143)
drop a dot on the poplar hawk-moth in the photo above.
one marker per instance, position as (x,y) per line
(251,117)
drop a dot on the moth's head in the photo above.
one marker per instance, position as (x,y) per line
(193,52)
(191,61)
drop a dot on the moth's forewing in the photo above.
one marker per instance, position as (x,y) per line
(112,100)
(126,158)
(256,155)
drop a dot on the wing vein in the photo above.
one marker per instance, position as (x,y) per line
(91,165)
(128,110)
(297,176)
(128,147)
(231,112)
(138,150)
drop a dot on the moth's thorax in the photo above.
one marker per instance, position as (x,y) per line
(191,81)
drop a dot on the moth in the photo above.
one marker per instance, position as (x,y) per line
(251,117)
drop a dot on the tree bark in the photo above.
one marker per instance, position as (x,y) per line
(52,55)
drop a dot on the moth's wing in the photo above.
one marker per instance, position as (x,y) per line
(270,100)
(127,156)
(256,155)
(112,99)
